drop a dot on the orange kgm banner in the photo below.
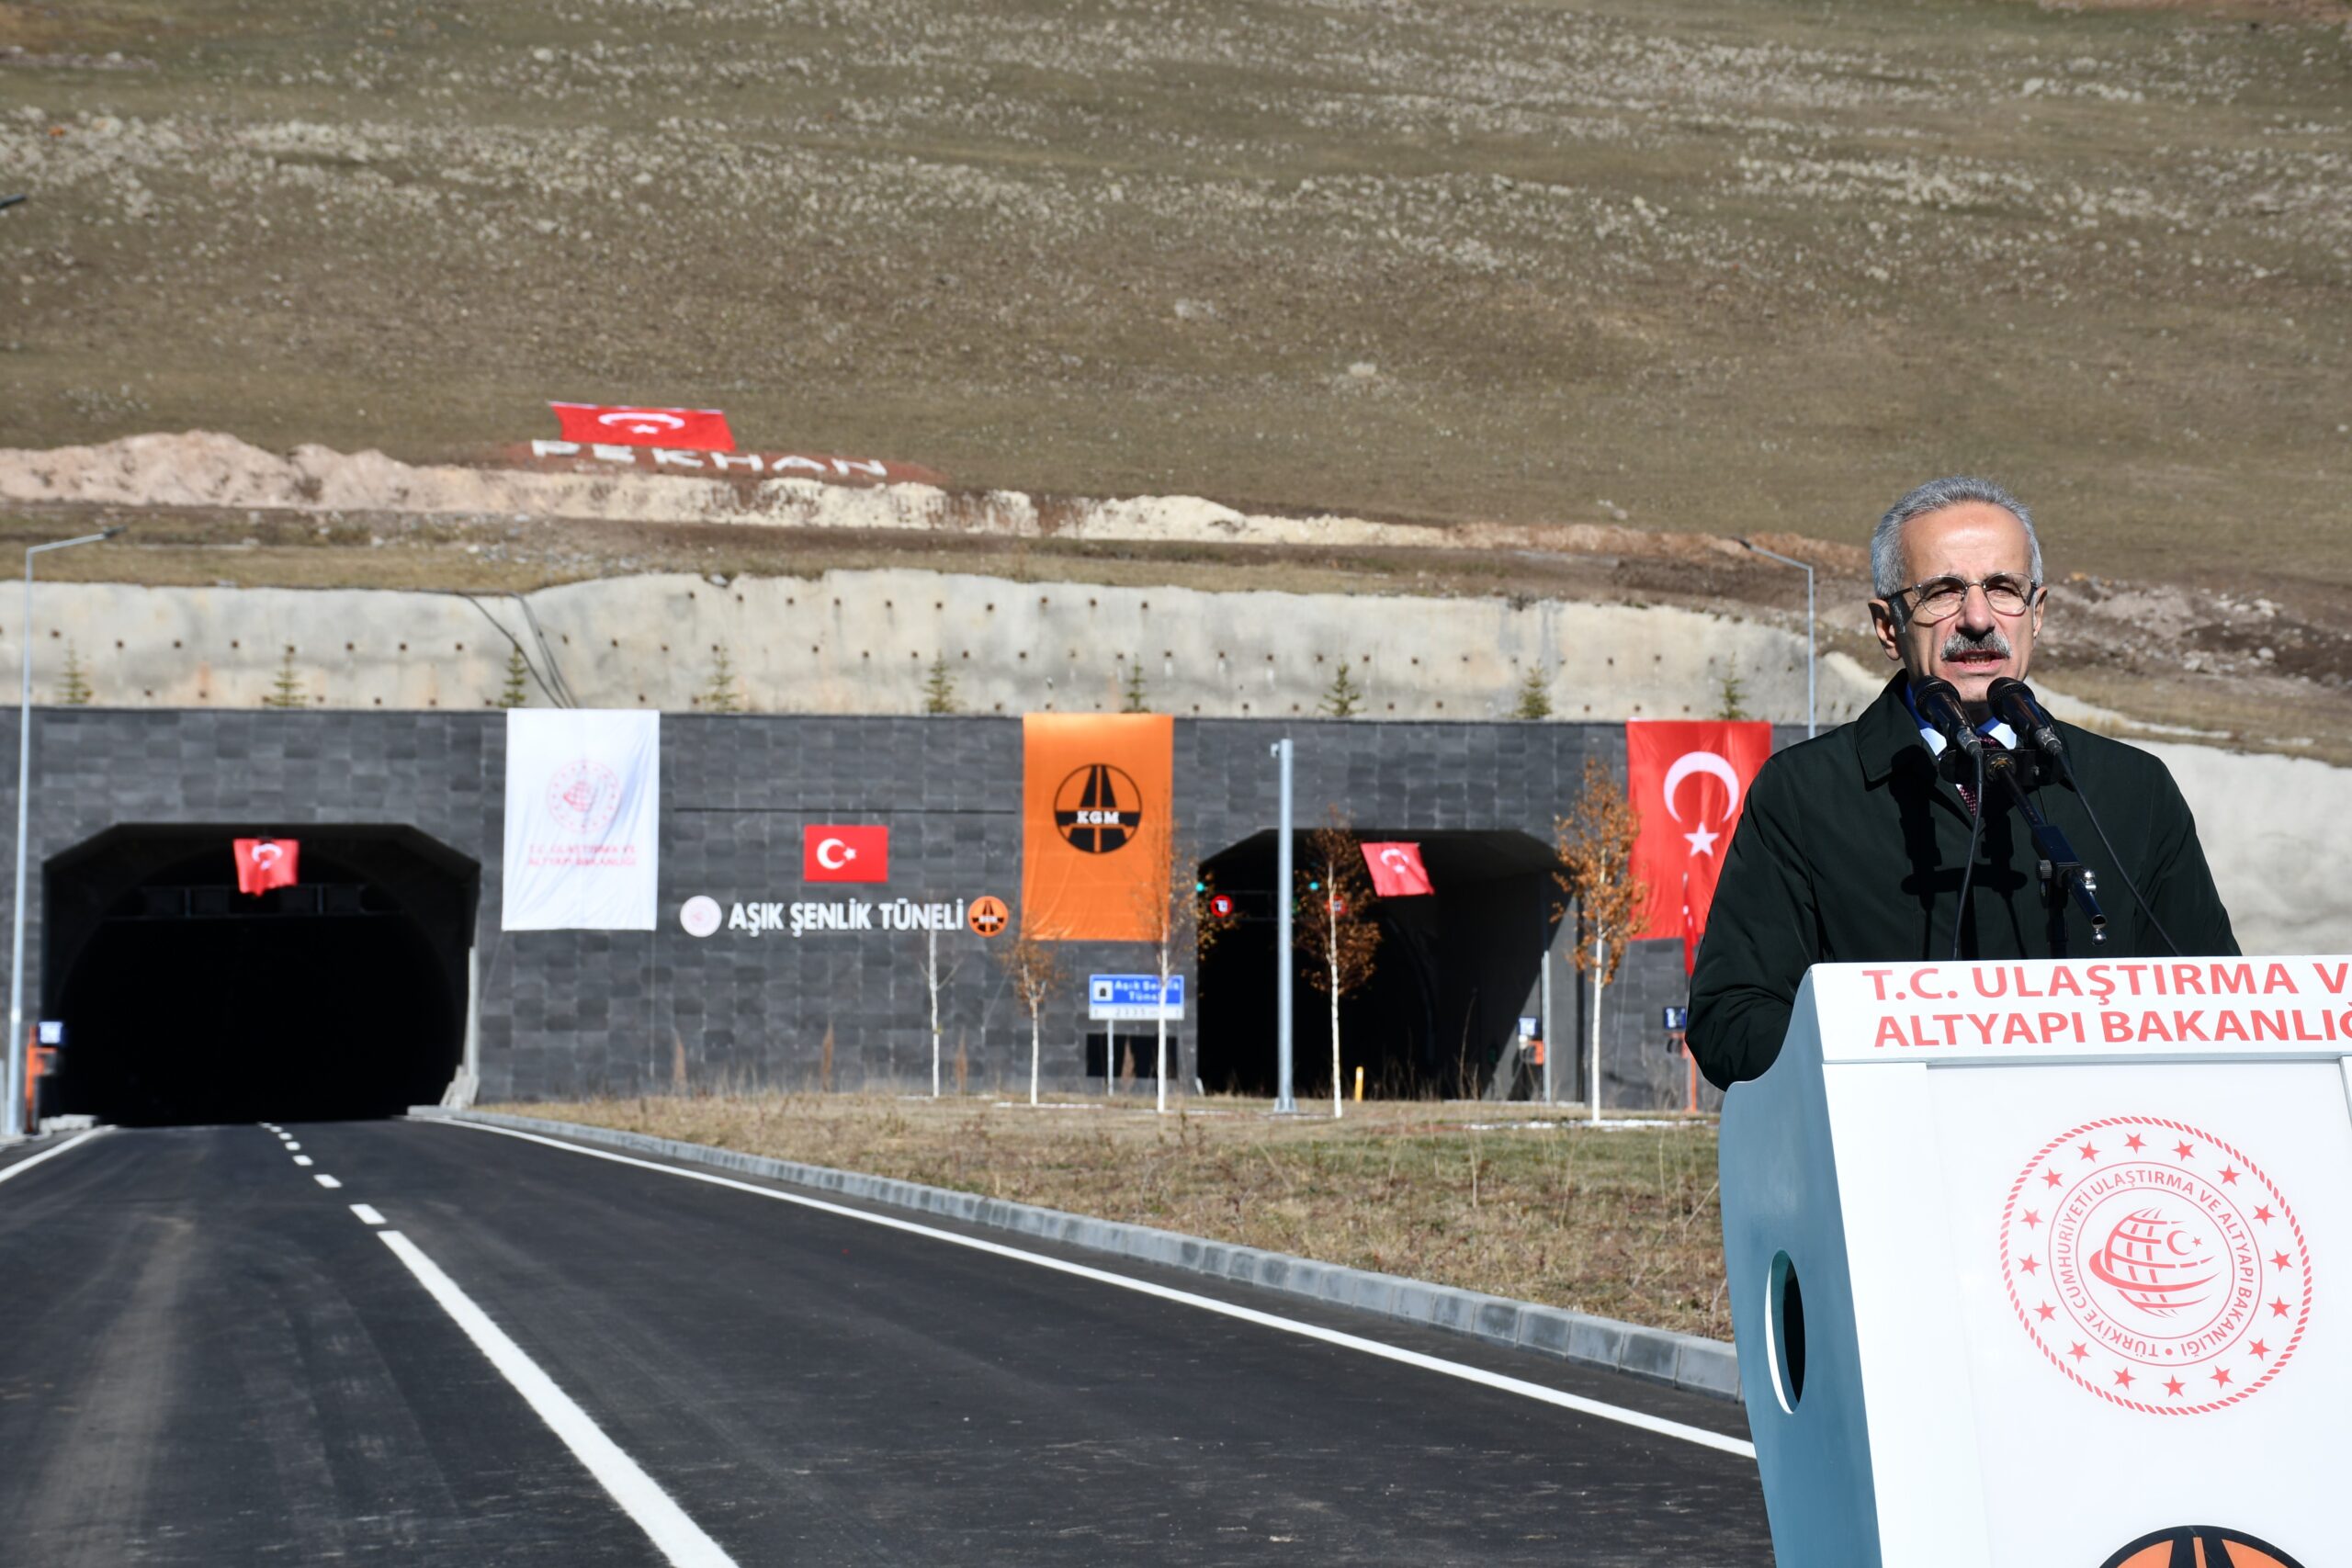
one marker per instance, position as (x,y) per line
(1094,824)
(1687,781)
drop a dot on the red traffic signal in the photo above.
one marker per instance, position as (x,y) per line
(1221,905)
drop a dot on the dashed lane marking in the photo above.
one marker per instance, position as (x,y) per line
(366,1212)
(25,1163)
(1479,1375)
(324,1180)
(301,1159)
(674,1534)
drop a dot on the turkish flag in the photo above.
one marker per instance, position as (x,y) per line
(832,853)
(699,430)
(265,864)
(1688,781)
(1397,870)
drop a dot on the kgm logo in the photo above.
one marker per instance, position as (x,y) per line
(832,853)
(1098,809)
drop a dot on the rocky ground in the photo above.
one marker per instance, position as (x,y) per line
(1671,266)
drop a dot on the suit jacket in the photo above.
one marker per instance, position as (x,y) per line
(1851,850)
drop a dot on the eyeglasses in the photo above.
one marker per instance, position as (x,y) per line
(1940,598)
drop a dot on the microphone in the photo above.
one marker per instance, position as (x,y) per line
(1938,703)
(2014,703)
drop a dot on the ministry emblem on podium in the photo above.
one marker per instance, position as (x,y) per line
(2155,1265)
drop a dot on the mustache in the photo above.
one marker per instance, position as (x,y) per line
(1991,641)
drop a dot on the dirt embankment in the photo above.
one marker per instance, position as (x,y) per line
(207,470)
(214,510)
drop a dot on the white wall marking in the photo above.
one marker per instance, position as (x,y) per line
(30,1161)
(1479,1375)
(674,1534)
(368,1212)
(324,1180)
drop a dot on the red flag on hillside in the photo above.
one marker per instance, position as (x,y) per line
(1397,870)
(699,430)
(265,864)
(1688,781)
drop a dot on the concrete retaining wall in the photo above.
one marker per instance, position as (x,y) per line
(862,642)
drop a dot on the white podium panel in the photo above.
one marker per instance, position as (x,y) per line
(2071,1243)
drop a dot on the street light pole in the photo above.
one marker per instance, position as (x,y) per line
(1285,1103)
(13,1120)
(1810,639)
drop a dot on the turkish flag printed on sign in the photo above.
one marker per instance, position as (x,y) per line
(265,864)
(831,853)
(699,430)
(1397,870)
(1688,781)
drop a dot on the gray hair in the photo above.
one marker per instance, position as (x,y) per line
(1886,539)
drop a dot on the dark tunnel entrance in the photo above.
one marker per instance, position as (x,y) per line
(184,1000)
(1453,973)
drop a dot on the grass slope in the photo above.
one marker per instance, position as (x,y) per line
(1623,1223)
(1711,266)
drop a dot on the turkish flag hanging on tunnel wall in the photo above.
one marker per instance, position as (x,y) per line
(1687,780)
(1397,870)
(265,864)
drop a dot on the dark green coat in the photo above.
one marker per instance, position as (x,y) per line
(1851,851)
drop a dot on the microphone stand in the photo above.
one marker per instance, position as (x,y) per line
(2062,872)
(2016,703)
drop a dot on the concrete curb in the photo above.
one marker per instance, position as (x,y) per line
(1656,1354)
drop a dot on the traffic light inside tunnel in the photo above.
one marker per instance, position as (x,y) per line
(1453,975)
(185,1001)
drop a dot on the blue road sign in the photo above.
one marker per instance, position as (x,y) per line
(1678,1018)
(1121,998)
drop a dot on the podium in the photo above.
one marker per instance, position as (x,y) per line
(2046,1263)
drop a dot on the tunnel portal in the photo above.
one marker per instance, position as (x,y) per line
(1453,970)
(185,1000)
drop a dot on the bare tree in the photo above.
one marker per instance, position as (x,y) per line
(1339,934)
(1035,975)
(1174,910)
(936,978)
(1595,842)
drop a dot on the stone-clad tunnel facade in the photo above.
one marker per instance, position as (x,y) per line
(555,1014)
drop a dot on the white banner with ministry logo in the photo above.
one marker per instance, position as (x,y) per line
(583,806)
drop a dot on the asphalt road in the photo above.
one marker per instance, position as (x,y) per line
(207,1357)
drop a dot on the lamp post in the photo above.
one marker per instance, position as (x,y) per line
(1286,959)
(13,1120)
(1809,638)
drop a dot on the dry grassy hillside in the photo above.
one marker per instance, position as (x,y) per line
(1704,264)
(1687,265)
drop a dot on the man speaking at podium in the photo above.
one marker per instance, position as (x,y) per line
(1921,830)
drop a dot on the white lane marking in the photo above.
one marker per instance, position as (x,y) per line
(324,1180)
(30,1161)
(674,1534)
(1479,1375)
(301,1159)
(368,1212)
(291,1147)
